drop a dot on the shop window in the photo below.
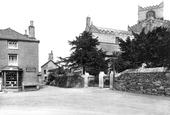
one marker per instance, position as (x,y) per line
(11,78)
(12,45)
(13,60)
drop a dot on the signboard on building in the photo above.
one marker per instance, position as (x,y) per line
(30,69)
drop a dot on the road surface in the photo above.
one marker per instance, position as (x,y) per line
(82,101)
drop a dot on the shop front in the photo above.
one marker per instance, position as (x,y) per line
(12,78)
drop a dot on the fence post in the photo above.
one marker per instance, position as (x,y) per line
(111,80)
(86,80)
(101,75)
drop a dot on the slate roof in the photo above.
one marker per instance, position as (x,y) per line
(103,30)
(48,62)
(10,34)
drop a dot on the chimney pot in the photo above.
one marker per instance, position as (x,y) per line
(25,32)
(31,23)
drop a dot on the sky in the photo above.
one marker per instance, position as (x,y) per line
(58,21)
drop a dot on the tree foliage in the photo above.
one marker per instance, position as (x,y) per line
(152,48)
(86,54)
(56,73)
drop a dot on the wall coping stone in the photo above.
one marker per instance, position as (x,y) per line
(147,70)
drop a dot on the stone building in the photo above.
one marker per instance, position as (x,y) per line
(149,18)
(19,59)
(49,65)
(107,37)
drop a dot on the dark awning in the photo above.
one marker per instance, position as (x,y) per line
(11,68)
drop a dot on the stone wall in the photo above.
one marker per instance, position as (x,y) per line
(155,83)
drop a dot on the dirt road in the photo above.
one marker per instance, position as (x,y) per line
(82,101)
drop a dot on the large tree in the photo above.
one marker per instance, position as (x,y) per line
(86,54)
(152,48)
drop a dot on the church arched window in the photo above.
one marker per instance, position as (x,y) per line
(150,14)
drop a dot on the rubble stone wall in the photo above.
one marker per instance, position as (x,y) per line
(156,83)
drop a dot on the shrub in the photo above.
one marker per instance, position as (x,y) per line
(68,81)
(61,80)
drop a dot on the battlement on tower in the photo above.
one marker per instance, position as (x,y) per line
(155,11)
(161,5)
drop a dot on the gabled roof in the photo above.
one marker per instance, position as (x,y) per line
(48,62)
(10,34)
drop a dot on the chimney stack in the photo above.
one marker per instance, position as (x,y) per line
(88,20)
(31,29)
(25,33)
(50,56)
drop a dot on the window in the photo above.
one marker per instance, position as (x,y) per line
(116,40)
(12,44)
(150,14)
(44,71)
(13,60)
(11,78)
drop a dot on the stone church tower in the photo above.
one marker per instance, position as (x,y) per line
(155,12)
(149,18)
